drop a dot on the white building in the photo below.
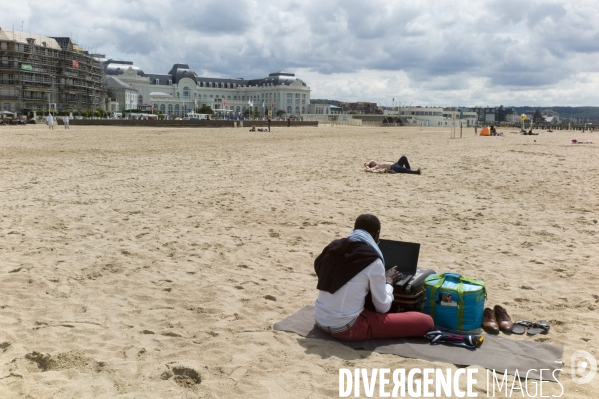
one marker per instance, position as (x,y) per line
(435,116)
(123,96)
(323,109)
(182,90)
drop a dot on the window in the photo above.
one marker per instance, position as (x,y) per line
(303,110)
(157,81)
(176,109)
(178,94)
(155,106)
(170,82)
(229,98)
(210,84)
(205,95)
(170,109)
(186,92)
(289,110)
(162,108)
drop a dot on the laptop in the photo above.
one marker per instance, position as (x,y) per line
(402,254)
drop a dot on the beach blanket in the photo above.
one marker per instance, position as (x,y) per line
(495,353)
(373,170)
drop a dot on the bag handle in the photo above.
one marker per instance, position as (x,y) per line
(435,287)
(461,279)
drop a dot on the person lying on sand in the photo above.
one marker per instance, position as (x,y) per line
(349,268)
(401,166)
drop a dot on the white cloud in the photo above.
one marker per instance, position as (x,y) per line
(428,52)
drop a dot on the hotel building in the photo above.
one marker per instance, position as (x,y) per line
(182,90)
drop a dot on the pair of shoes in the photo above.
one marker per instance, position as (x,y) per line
(418,172)
(496,319)
(531,328)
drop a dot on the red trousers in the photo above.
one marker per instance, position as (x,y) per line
(371,325)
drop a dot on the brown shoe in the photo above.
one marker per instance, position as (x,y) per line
(489,322)
(503,319)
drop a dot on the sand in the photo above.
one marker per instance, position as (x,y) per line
(152,263)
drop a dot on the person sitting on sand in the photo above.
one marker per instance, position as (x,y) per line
(253,129)
(348,269)
(401,166)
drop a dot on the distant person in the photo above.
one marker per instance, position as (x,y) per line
(269,124)
(401,166)
(476,131)
(50,121)
(65,120)
(288,122)
(253,129)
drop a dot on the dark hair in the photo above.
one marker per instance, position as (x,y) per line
(368,222)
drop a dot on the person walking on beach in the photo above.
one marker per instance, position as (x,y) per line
(65,120)
(347,270)
(475,131)
(269,124)
(50,121)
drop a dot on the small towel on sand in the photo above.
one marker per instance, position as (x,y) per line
(373,170)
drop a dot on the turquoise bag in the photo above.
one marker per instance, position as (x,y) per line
(454,301)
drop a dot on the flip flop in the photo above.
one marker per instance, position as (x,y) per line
(540,326)
(521,326)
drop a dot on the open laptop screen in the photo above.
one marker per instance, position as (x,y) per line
(402,254)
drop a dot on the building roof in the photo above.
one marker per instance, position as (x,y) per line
(21,37)
(180,71)
(118,67)
(115,83)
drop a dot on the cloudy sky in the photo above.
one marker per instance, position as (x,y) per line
(451,52)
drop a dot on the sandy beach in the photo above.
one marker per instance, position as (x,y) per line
(152,263)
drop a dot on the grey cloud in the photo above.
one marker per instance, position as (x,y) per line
(507,45)
(230,17)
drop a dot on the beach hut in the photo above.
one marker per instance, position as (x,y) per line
(485,132)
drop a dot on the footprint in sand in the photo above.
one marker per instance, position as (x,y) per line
(185,377)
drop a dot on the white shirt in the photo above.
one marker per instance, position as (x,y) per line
(50,119)
(346,304)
